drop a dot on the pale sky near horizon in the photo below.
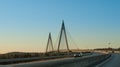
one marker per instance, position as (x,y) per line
(25,24)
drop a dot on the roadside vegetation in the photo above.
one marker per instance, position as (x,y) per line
(19,55)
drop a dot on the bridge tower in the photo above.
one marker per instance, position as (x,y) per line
(49,47)
(63,34)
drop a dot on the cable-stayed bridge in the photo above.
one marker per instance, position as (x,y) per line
(63,45)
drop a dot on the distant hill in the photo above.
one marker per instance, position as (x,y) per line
(108,49)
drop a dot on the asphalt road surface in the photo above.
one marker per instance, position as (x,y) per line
(114,61)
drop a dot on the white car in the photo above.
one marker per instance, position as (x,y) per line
(78,55)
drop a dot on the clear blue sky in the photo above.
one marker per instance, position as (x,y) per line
(25,24)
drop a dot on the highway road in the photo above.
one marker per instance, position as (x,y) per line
(59,61)
(114,61)
(94,54)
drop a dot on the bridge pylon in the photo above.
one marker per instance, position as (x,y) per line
(49,47)
(63,34)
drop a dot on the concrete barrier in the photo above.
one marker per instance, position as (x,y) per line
(70,62)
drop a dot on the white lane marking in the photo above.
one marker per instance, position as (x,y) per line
(107,60)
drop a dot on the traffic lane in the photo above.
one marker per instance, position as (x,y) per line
(114,62)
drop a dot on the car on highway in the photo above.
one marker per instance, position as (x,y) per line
(78,55)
